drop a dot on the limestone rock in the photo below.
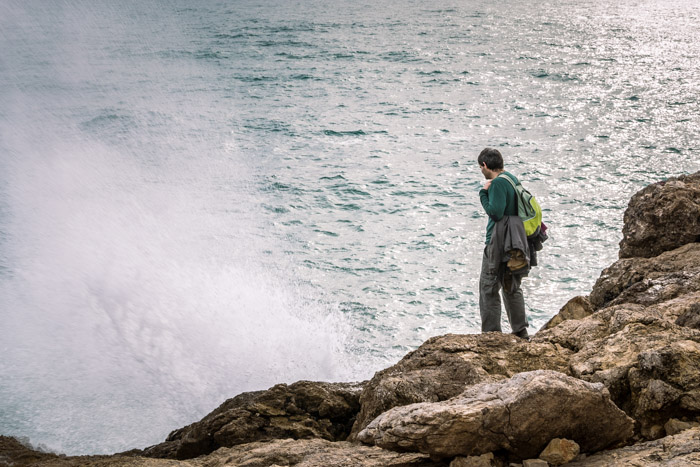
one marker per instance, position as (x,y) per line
(647,281)
(287,452)
(520,416)
(314,453)
(576,308)
(444,366)
(560,451)
(661,217)
(301,410)
(682,449)
(675,426)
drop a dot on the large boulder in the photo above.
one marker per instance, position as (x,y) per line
(648,357)
(445,366)
(299,411)
(520,415)
(662,217)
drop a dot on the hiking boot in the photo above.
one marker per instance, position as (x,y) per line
(522,334)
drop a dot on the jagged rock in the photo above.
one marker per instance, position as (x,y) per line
(576,308)
(287,452)
(314,453)
(662,217)
(520,416)
(560,451)
(650,364)
(679,450)
(675,426)
(301,410)
(444,366)
(647,281)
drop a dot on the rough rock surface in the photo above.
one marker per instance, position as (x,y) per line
(681,450)
(287,452)
(560,451)
(637,333)
(301,410)
(576,308)
(647,281)
(444,366)
(520,416)
(662,217)
(315,453)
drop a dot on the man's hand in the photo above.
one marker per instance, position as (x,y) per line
(487,185)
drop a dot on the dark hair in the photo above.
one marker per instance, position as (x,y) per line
(492,158)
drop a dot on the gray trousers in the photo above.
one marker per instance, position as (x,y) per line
(490,302)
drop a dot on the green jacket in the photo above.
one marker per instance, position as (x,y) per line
(498,201)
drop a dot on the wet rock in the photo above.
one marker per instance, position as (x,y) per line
(15,452)
(520,415)
(560,451)
(679,450)
(444,366)
(300,411)
(662,217)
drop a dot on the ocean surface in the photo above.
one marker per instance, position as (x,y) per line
(201,198)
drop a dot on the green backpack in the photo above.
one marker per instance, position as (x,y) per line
(528,208)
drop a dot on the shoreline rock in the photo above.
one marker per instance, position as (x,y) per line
(630,350)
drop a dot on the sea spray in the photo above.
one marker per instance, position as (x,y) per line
(138,290)
(135,301)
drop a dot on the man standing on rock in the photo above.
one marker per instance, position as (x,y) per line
(498,199)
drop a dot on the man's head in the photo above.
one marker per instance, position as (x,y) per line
(492,158)
(490,163)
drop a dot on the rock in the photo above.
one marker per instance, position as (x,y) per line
(15,452)
(535,463)
(560,451)
(576,308)
(484,460)
(314,453)
(675,426)
(680,450)
(301,410)
(520,416)
(647,281)
(444,366)
(662,217)
(287,452)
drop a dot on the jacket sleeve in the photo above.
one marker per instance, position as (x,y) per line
(494,200)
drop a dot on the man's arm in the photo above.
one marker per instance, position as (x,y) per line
(493,200)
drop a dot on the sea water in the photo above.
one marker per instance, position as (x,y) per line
(203,198)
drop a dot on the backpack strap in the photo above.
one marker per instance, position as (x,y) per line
(507,178)
(515,189)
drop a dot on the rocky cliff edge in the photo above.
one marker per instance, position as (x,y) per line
(612,379)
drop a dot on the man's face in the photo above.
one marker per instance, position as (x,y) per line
(484,170)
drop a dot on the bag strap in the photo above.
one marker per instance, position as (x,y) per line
(517,200)
(507,178)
